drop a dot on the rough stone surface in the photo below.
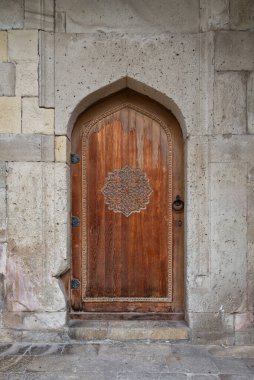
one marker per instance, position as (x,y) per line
(250,103)
(7,79)
(128,330)
(169,15)
(206,84)
(80,72)
(3,253)
(35,119)
(12,14)
(44,321)
(39,14)
(197,218)
(3,204)
(230,103)
(10,119)
(124,361)
(231,148)
(60,22)
(215,327)
(234,51)
(62,234)
(241,14)
(47,69)
(34,255)
(23,45)
(214,14)
(228,244)
(2,175)
(17,147)
(27,79)
(62,149)
(250,242)
(3,47)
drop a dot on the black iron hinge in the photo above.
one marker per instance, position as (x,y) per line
(75,158)
(75,283)
(75,221)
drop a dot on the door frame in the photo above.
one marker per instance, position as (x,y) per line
(165,117)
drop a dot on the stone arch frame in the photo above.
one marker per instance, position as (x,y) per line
(145,90)
(121,84)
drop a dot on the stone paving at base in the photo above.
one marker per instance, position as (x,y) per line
(133,360)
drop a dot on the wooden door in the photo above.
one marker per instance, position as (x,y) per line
(127,243)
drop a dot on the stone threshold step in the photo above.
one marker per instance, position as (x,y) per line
(128,330)
(110,316)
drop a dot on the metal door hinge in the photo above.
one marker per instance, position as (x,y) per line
(75,283)
(75,158)
(75,221)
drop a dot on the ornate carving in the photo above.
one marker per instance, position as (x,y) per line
(127,190)
(85,132)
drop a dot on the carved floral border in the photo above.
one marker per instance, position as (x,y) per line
(85,132)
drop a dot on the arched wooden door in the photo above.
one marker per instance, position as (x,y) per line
(127,239)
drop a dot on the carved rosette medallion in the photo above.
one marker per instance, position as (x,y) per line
(127,190)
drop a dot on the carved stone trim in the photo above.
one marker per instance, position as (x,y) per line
(85,131)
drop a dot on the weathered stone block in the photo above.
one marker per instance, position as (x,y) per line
(23,45)
(230,103)
(145,68)
(27,79)
(62,149)
(3,47)
(26,147)
(214,14)
(12,14)
(62,231)
(35,119)
(39,14)
(241,14)
(33,252)
(60,22)
(2,175)
(250,242)
(197,223)
(228,212)
(206,84)
(234,51)
(10,114)
(250,103)
(7,79)
(2,204)
(212,322)
(243,321)
(212,327)
(3,231)
(47,148)
(231,148)
(3,257)
(41,321)
(47,69)
(169,15)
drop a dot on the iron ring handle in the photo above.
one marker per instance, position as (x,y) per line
(178,204)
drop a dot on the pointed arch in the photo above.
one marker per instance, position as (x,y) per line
(133,84)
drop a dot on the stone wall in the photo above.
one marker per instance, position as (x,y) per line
(194,57)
